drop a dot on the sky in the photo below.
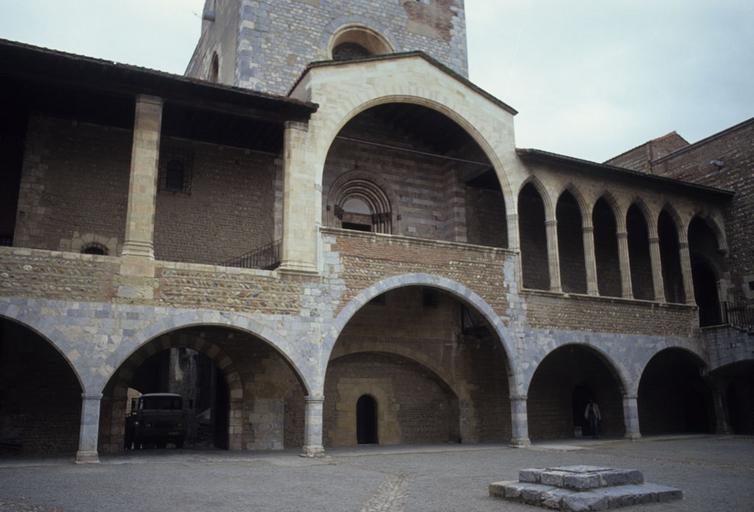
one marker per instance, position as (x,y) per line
(590,78)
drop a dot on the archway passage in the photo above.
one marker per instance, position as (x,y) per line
(707,265)
(563,384)
(571,244)
(40,396)
(409,170)
(606,249)
(739,397)
(237,391)
(673,396)
(638,254)
(533,236)
(672,275)
(432,365)
(366,420)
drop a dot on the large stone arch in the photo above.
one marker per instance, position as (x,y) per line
(642,359)
(454,288)
(47,332)
(304,370)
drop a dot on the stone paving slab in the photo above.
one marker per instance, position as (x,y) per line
(581,478)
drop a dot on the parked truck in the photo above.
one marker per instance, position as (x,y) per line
(156,419)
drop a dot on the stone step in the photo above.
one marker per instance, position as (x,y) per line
(597,499)
(581,478)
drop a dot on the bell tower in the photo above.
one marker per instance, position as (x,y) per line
(266,44)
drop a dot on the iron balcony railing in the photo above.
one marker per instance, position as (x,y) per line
(739,315)
(266,257)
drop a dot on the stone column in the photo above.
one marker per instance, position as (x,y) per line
(625,265)
(513,238)
(89,429)
(553,258)
(590,260)
(519,422)
(300,219)
(313,426)
(631,417)
(688,278)
(142,190)
(656,262)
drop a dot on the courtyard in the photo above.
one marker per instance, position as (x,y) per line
(714,472)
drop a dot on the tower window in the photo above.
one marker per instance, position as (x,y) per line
(349,51)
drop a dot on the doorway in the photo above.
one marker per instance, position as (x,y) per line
(366,420)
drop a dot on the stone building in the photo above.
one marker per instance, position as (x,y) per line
(340,223)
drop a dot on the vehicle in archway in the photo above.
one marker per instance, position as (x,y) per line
(156,419)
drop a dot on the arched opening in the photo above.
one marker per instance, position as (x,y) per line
(94,248)
(706,265)
(533,239)
(236,392)
(738,388)
(214,69)
(606,249)
(409,170)
(434,367)
(670,257)
(366,420)
(571,244)
(40,396)
(563,384)
(357,42)
(673,395)
(638,254)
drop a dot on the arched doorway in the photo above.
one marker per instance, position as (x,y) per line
(40,395)
(434,367)
(366,420)
(707,263)
(673,396)
(237,391)
(563,384)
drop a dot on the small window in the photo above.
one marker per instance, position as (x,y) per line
(174,176)
(94,248)
(176,162)
(349,51)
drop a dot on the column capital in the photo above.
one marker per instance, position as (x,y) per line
(297,125)
(148,98)
(587,228)
(551,222)
(91,396)
(315,399)
(621,234)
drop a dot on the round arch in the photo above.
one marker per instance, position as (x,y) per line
(48,335)
(673,394)
(200,318)
(455,289)
(330,132)
(561,385)
(359,34)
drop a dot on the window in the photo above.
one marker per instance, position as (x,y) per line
(176,163)
(174,176)
(357,42)
(214,69)
(361,205)
(94,248)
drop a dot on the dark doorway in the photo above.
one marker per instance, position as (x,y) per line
(366,420)
(705,292)
(581,397)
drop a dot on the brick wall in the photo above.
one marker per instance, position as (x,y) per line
(74,182)
(486,221)
(735,148)
(228,212)
(40,398)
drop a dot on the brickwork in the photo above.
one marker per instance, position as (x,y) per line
(275,40)
(486,217)
(75,181)
(413,406)
(40,398)
(640,157)
(580,312)
(228,212)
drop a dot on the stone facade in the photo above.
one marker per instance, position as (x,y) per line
(495,291)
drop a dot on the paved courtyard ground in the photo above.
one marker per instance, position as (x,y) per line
(715,474)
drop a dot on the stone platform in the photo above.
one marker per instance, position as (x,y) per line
(583,488)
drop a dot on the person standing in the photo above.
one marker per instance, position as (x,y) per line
(593,418)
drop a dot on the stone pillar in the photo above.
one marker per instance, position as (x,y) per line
(688,278)
(513,238)
(142,191)
(553,258)
(625,265)
(519,422)
(300,219)
(631,417)
(89,429)
(590,260)
(656,261)
(313,426)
